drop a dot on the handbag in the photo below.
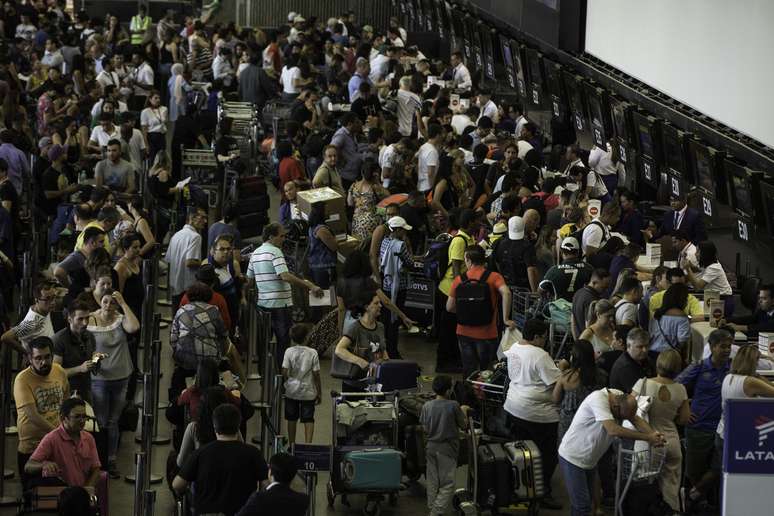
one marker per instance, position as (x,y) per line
(343,370)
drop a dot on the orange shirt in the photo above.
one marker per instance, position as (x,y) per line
(495,281)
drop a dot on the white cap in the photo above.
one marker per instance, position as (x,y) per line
(516,228)
(570,244)
(398,222)
(299,19)
(292,15)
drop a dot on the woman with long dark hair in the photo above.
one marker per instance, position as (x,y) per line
(364,195)
(577,382)
(201,431)
(710,274)
(670,327)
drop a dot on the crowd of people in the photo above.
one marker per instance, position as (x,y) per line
(438,177)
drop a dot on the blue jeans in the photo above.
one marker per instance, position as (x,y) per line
(476,354)
(109,400)
(281,321)
(580,485)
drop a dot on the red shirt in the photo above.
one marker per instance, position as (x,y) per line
(192,397)
(495,281)
(216,300)
(289,170)
(75,460)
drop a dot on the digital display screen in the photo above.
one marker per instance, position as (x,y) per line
(619,121)
(740,184)
(767,194)
(553,78)
(646,141)
(507,55)
(535,73)
(595,108)
(488,50)
(673,151)
(702,160)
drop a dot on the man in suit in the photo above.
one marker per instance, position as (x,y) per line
(681,217)
(278,497)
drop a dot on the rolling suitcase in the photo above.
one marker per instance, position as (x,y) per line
(252,186)
(495,477)
(372,470)
(527,467)
(397,375)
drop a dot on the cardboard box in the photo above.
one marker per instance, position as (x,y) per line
(335,207)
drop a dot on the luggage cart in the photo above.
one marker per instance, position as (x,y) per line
(636,466)
(490,389)
(385,420)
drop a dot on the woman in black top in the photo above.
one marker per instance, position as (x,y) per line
(163,188)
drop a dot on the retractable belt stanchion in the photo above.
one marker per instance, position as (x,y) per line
(167,301)
(146,321)
(149,503)
(251,329)
(156,372)
(142,482)
(5,399)
(141,465)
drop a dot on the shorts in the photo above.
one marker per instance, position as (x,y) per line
(302,408)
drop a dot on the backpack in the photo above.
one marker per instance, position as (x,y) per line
(578,233)
(474,301)
(560,314)
(437,257)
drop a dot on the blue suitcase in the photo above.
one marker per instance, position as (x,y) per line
(372,470)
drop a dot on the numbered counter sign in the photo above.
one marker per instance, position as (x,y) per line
(312,458)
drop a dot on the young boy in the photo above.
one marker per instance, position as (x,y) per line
(301,370)
(442,419)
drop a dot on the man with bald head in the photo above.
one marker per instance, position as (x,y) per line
(595,425)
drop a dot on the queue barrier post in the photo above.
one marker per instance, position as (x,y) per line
(146,328)
(156,373)
(149,503)
(251,327)
(141,466)
(146,440)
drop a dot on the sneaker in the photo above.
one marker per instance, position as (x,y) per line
(549,502)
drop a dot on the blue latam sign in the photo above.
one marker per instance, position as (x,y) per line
(748,445)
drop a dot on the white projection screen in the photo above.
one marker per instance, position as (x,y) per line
(716,56)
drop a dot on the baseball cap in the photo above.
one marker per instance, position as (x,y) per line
(55,152)
(500,228)
(299,19)
(44,142)
(516,228)
(292,15)
(398,222)
(570,244)
(367,28)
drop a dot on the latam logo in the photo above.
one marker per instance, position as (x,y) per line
(764,426)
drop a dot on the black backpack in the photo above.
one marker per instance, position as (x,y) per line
(474,302)
(437,257)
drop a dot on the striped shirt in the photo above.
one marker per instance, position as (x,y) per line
(266,264)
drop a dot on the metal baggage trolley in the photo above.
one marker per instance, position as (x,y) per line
(636,465)
(384,423)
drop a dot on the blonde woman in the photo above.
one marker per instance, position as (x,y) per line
(600,326)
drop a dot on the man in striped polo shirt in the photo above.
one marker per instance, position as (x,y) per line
(273,281)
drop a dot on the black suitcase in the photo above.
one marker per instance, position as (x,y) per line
(251,186)
(258,204)
(397,375)
(251,225)
(495,480)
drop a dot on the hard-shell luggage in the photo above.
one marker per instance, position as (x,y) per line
(528,481)
(396,375)
(495,477)
(372,470)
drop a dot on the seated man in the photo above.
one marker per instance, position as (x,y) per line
(68,452)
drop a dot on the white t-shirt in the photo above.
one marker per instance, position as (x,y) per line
(533,375)
(379,65)
(716,279)
(594,235)
(601,160)
(408,103)
(524,147)
(301,362)
(586,440)
(154,119)
(598,188)
(427,156)
(461,77)
(288,76)
(459,122)
(490,109)
(626,311)
(99,135)
(143,74)
(686,256)
(387,157)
